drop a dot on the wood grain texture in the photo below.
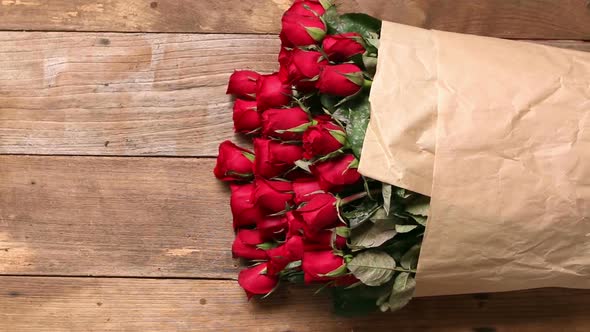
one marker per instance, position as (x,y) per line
(95,304)
(114,217)
(564,19)
(126,94)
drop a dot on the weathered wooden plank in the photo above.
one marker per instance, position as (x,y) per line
(95,304)
(567,19)
(113,217)
(126,94)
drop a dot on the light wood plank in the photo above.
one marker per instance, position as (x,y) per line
(126,94)
(566,19)
(108,216)
(95,304)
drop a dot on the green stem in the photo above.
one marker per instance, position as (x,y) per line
(355,197)
(367,83)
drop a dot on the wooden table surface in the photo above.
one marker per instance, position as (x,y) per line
(110,116)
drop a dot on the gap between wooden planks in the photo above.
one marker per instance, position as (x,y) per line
(126,94)
(76,304)
(545,19)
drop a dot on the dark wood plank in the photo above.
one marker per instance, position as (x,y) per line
(108,216)
(94,304)
(566,19)
(126,94)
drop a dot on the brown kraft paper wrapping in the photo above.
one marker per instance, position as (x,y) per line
(510,176)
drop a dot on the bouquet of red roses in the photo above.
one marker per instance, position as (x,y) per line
(301,210)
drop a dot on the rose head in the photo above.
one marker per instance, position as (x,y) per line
(233,163)
(323,138)
(272,92)
(254,282)
(324,240)
(302,29)
(272,227)
(318,213)
(340,80)
(280,257)
(245,245)
(316,264)
(275,158)
(246,118)
(340,48)
(304,68)
(287,124)
(242,84)
(244,212)
(295,226)
(337,173)
(273,196)
(304,188)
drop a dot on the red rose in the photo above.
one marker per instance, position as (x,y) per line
(324,240)
(245,245)
(279,122)
(275,158)
(322,139)
(295,225)
(280,257)
(244,212)
(272,227)
(318,213)
(304,188)
(242,83)
(304,68)
(274,196)
(340,80)
(272,92)
(255,283)
(302,25)
(337,173)
(284,63)
(341,47)
(246,118)
(316,264)
(233,163)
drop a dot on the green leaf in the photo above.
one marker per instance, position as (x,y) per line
(356,78)
(329,102)
(316,33)
(342,115)
(303,164)
(386,192)
(372,235)
(410,258)
(403,194)
(405,228)
(420,220)
(357,126)
(361,213)
(372,267)
(361,23)
(370,64)
(419,207)
(358,300)
(403,291)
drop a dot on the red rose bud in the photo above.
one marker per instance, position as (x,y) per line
(295,225)
(340,80)
(287,124)
(272,227)
(272,92)
(325,240)
(280,257)
(275,158)
(321,266)
(304,68)
(318,213)
(246,118)
(254,282)
(301,26)
(233,163)
(340,48)
(244,212)
(335,174)
(322,139)
(242,83)
(274,196)
(246,245)
(304,189)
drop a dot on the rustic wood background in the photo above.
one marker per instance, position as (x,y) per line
(110,115)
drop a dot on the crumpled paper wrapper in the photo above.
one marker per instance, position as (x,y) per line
(497,132)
